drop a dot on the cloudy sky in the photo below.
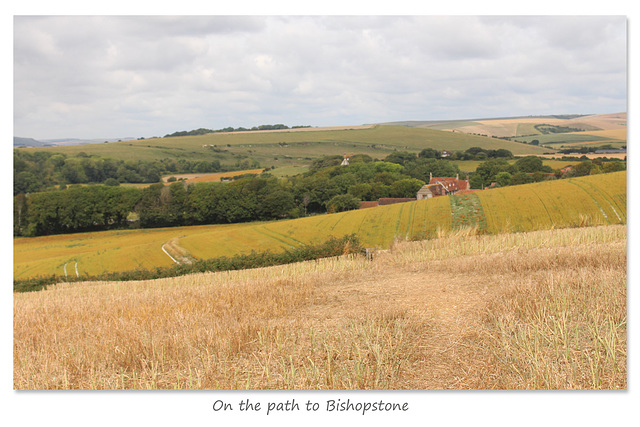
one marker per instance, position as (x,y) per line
(105,76)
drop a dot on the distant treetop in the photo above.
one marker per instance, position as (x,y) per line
(203,131)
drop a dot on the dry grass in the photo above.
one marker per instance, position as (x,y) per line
(533,310)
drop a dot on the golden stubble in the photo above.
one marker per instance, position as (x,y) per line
(532,310)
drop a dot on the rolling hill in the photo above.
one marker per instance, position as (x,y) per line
(523,126)
(591,200)
(294,147)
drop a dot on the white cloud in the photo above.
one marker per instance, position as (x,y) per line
(101,76)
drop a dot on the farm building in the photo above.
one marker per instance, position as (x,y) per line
(611,150)
(442,186)
(345,162)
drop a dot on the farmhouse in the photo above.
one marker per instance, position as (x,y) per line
(345,162)
(442,186)
(438,186)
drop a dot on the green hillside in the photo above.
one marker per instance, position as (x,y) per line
(293,148)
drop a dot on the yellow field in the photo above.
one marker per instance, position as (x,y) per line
(94,253)
(620,134)
(191,178)
(590,200)
(538,310)
(612,125)
(597,199)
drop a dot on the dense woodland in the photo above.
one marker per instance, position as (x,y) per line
(326,187)
(35,171)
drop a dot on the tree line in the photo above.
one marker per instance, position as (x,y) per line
(329,188)
(501,173)
(326,187)
(40,170)
(204,131)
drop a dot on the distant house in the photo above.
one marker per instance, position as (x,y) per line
(345,162)
(428,191)
(445,153)
(565,170)
(610,150)
(442,186)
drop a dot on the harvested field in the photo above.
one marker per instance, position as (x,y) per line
(192,178)
(539,310)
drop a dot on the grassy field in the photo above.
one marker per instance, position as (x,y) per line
(537,310)
(192,178)
(277,149)
(590,200)
(472,165)
(614,137)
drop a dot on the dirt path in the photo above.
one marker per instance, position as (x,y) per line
(177,253)
(450,304)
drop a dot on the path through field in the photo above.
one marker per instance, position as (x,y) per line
(452,301)
(450,304)
(540,310)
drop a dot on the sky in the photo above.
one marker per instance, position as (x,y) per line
(144,76)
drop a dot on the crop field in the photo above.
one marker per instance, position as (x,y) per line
(524,126)
(615,137)
(619,156)
(591,200)
(95,253)
(472,165)
(536,310)
(211,177)
(597,199)
(277,149)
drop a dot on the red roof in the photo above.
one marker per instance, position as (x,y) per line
(449,183)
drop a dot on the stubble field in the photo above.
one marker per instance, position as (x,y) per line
(538,310)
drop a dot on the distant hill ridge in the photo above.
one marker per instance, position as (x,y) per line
(437,122)
(28,142)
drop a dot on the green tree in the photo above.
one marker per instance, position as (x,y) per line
(429,153)
(362,191)
(342,202)
(503,179)
(405,187)
(613,167)
(491,168)
(519,178)
(275,205)
(529,164)
(476,181)
(400,157)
